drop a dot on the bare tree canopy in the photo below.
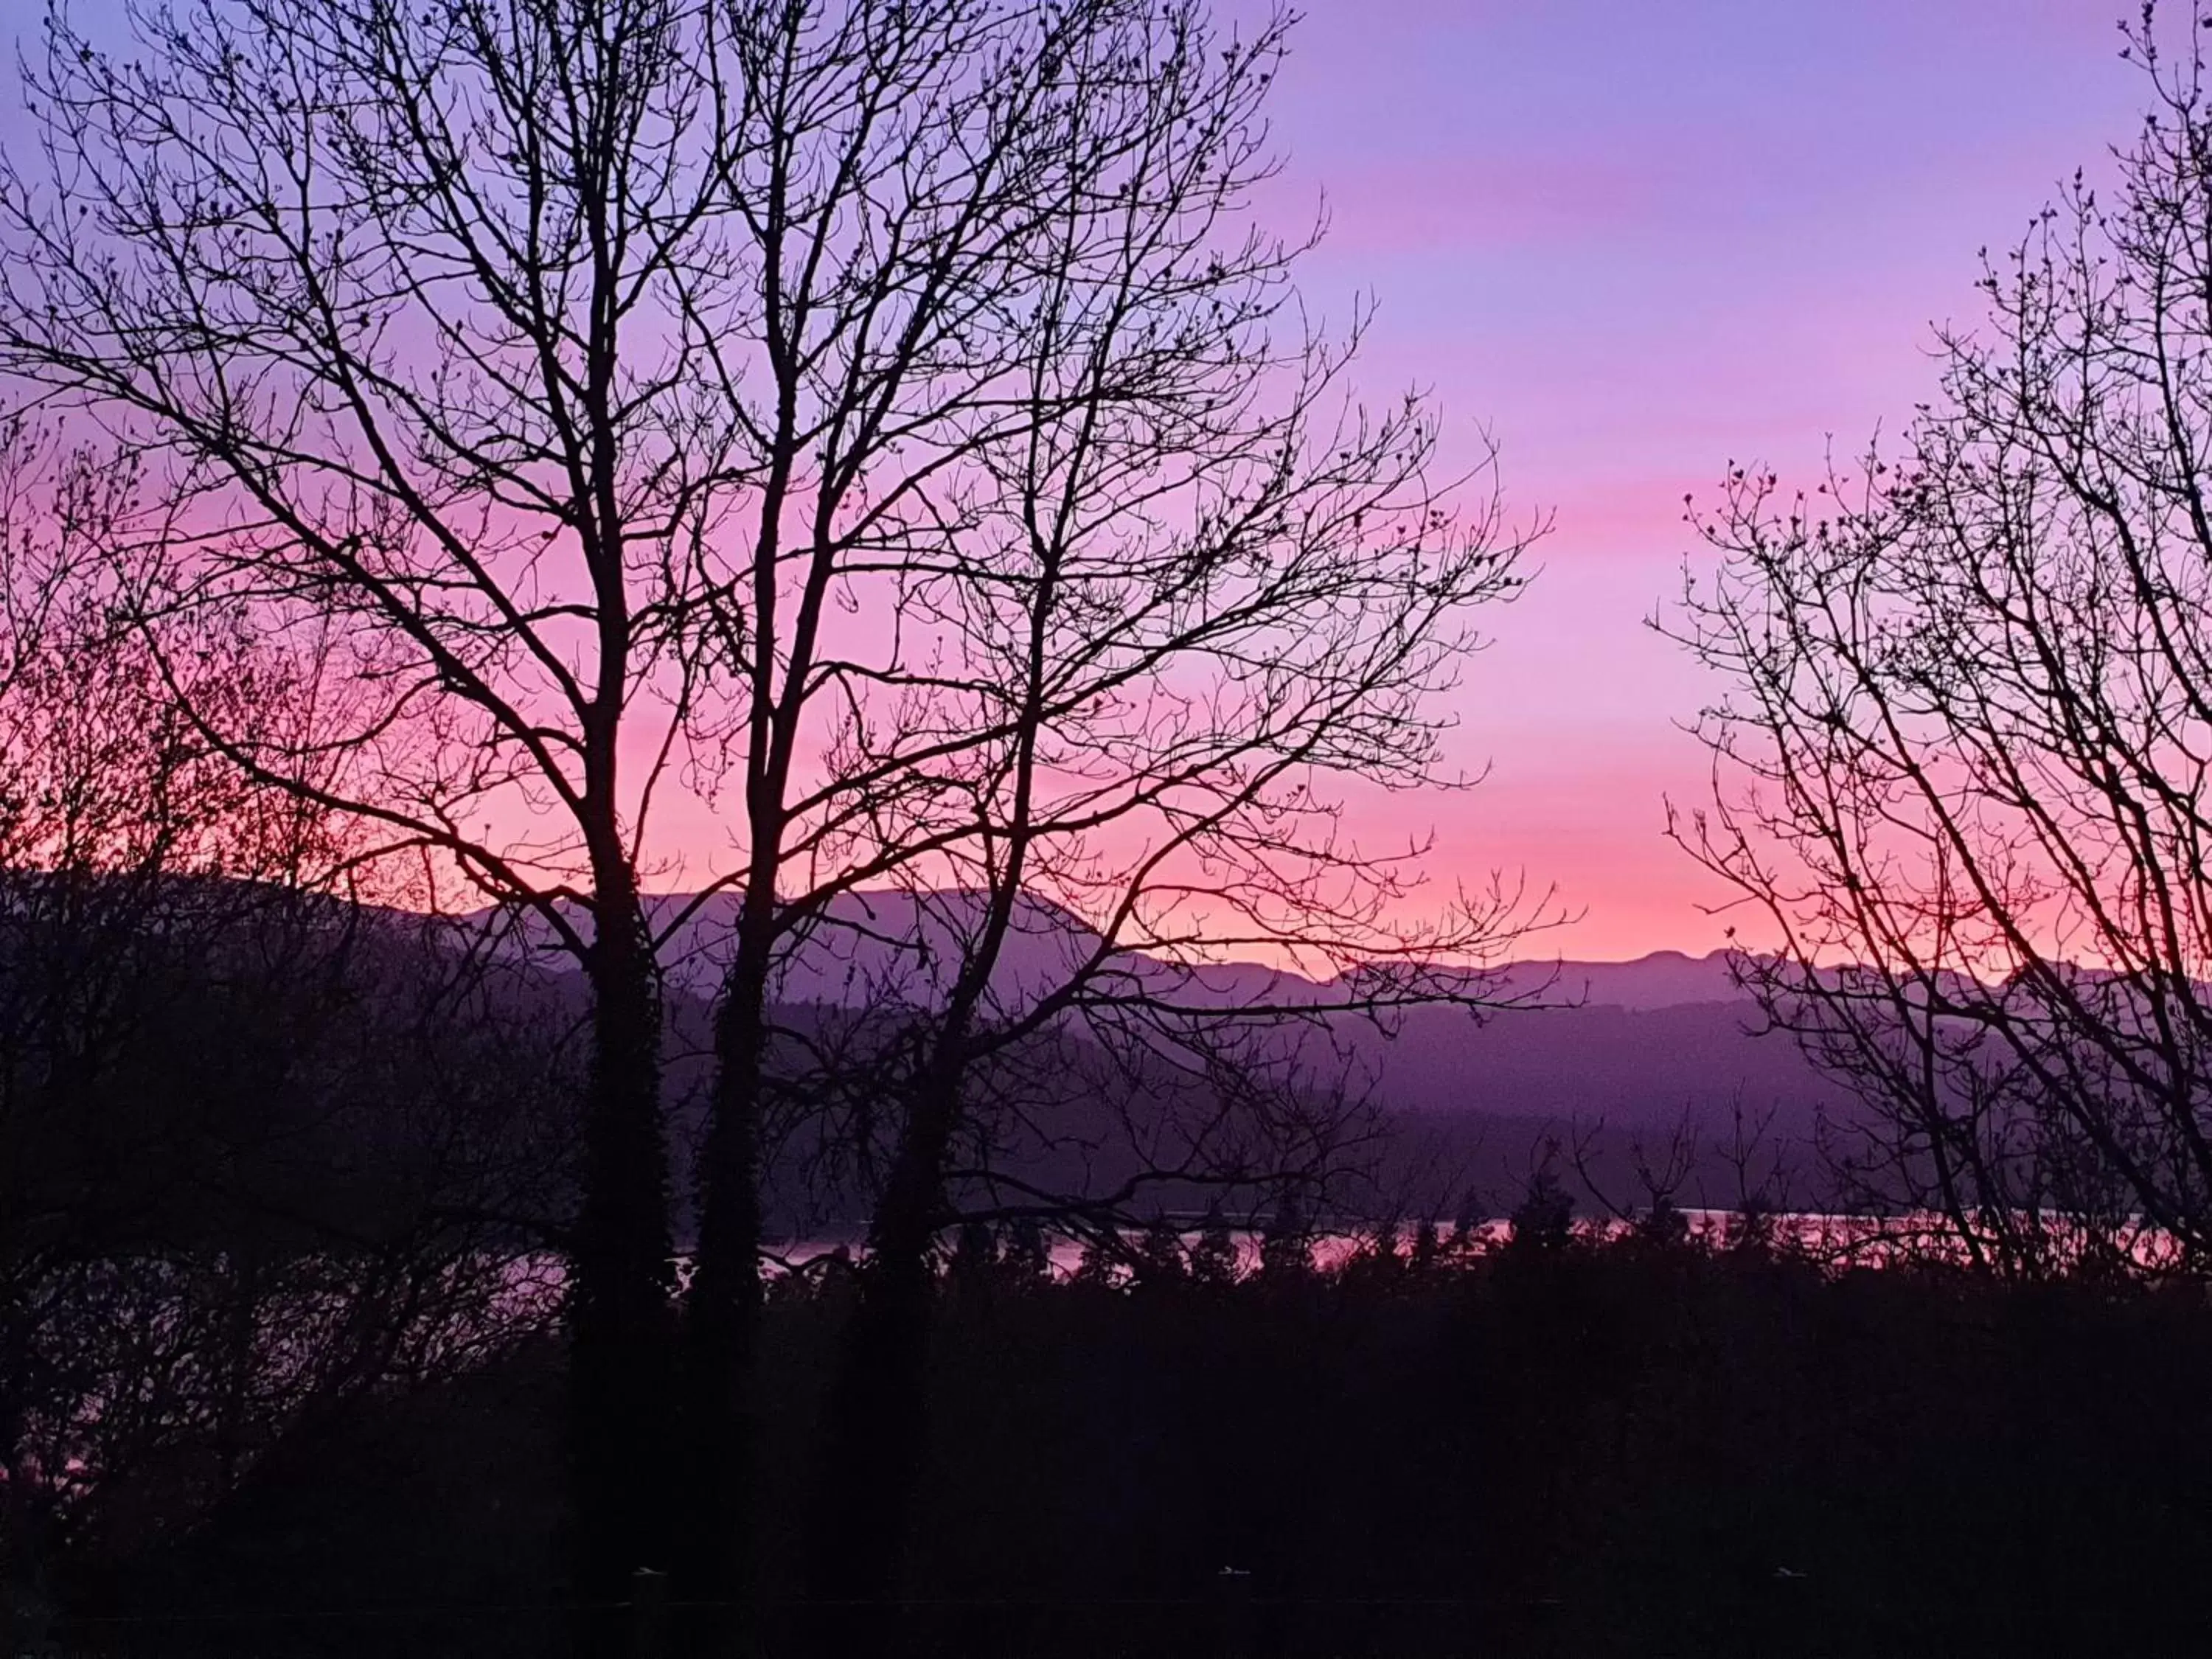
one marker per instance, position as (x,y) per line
(322,1207)
(1961,764)
(409,315)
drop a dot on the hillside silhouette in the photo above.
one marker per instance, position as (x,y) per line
(1620,1055)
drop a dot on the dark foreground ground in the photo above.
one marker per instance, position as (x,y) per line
(1638,1447)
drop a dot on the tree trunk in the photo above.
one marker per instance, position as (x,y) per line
(722,1311)
(620,1372)
(877,1425)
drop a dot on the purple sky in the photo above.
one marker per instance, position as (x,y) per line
(1634,239)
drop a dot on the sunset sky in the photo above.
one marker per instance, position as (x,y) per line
(1635,240)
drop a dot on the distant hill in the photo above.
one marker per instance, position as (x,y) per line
(867,942)
(1617,1054)
(1639,1040)
(1634,1067)
(1639,1047)
(1664,979)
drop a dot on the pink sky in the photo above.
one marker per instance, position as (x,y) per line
(1634,239)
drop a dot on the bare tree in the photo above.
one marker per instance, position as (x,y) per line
(410,314)
(991,246)
(1203,590)
(126,843)
(905,181)
(1961,765)
(194,1260)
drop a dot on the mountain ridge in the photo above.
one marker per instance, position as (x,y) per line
(870,938)
(1642,1044)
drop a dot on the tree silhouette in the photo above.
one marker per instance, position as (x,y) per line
(1958,763)
(1213,1254)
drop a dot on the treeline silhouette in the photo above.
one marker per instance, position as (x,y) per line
(1550,1437)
